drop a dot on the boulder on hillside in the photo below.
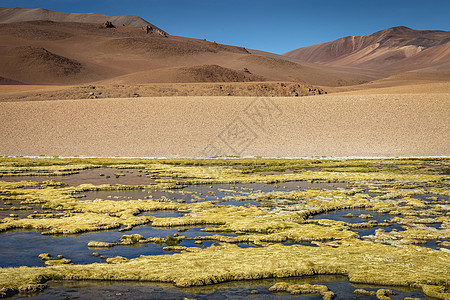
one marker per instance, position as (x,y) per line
(109,24)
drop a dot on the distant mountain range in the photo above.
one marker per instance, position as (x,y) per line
(46,47)
(395,49)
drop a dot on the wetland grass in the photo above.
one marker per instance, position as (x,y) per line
(385,186)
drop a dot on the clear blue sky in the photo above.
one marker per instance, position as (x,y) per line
(275,26)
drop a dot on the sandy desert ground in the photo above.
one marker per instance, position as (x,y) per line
(326,125)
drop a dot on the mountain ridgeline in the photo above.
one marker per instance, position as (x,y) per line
(395,49)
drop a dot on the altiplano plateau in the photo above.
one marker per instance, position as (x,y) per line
(140,163)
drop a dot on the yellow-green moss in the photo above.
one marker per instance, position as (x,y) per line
(298,289)
(57,262)
(438,292)
(117,260)
(282,216)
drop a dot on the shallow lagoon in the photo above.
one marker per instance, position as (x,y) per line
(21,248)
(230,290)
(96,176)
(214,192)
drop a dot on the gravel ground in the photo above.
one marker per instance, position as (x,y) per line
(326,125)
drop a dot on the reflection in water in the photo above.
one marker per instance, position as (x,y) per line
(343,215)
(214,192)
(162,214)
(230,290)
(96,176)
(21,248)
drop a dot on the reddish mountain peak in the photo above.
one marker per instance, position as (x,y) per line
(400,29)
(394,49)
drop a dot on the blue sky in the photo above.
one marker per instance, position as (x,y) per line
(274,26)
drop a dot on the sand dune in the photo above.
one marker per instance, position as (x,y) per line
(396,49)
(377,125)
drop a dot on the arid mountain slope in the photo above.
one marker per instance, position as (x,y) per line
(74,52)
(423,82)
(11,15)
(395,49)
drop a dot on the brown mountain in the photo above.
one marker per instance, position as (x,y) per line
(11,15)
(395,49)
(61,48)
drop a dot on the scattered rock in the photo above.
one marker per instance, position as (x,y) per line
(95,254)
(109,24)
(150,29)
(92,95)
